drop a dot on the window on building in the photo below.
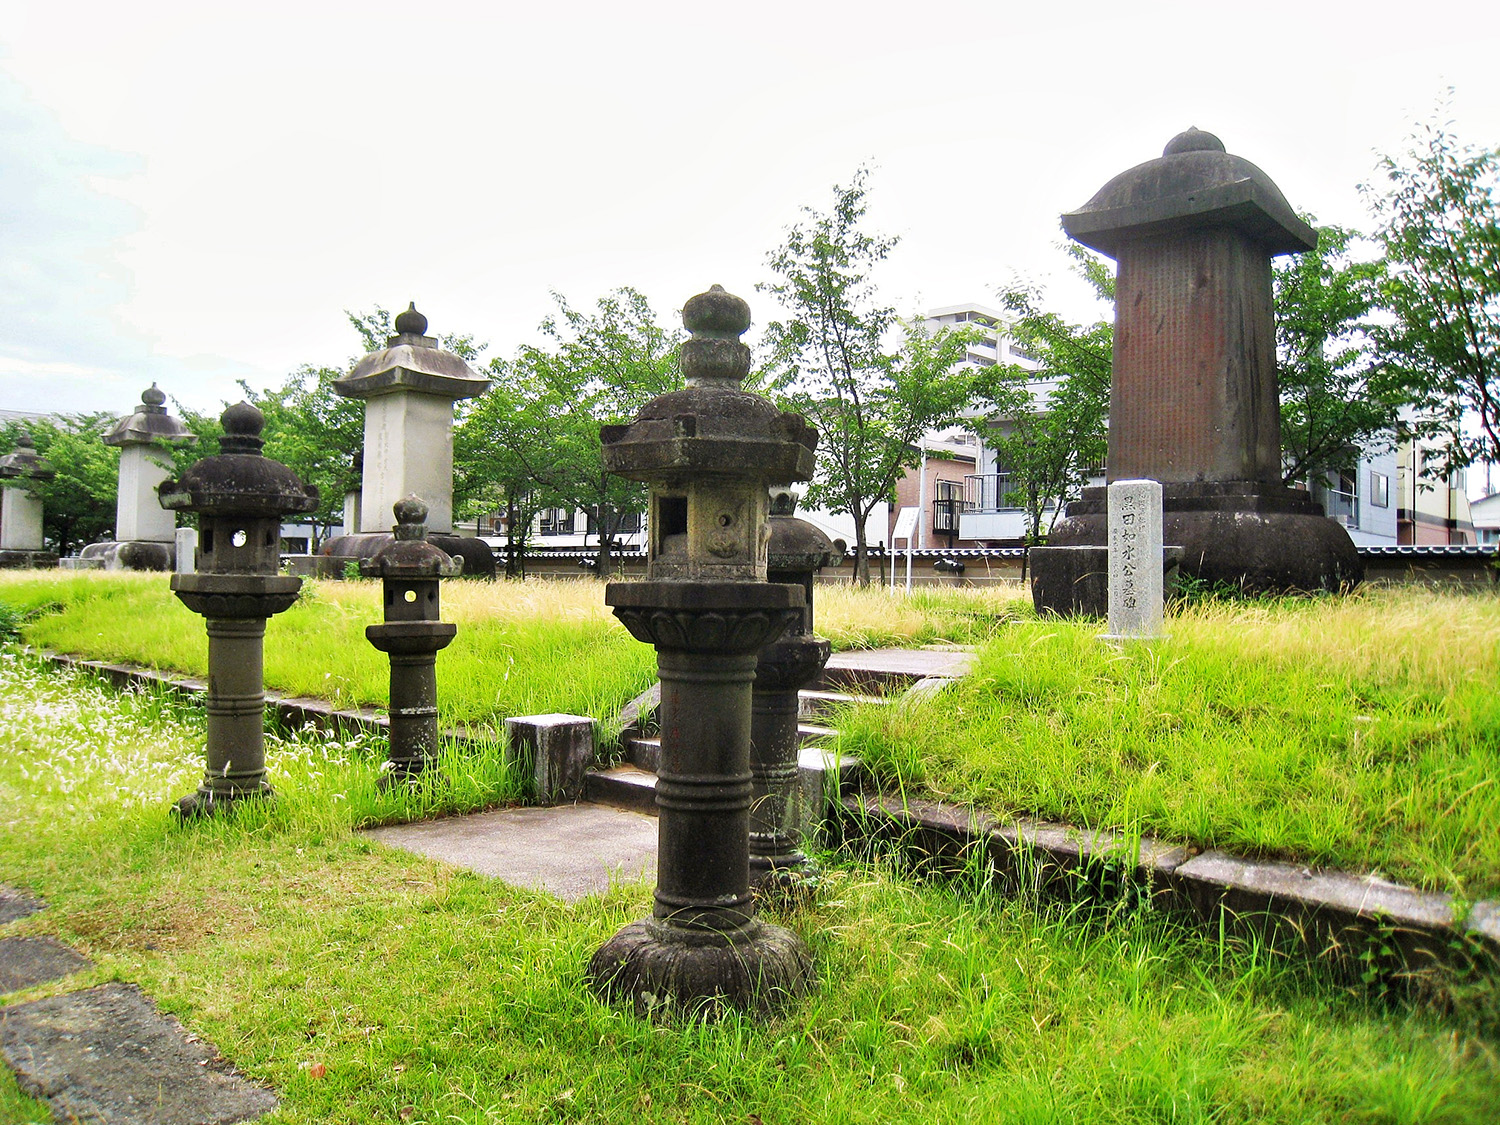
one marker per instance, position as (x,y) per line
(1380,489)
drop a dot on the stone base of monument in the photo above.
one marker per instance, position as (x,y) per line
(665,970)
(132,554)
(1257,538)
(27,560)
(1070,581)
(337,553)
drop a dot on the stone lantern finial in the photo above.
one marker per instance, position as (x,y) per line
(715,356)
(411,322)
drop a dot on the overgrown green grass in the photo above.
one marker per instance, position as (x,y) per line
(1362,732)
(434,995)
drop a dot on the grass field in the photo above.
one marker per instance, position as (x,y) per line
(369,985)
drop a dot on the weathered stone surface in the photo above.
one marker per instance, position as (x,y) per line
(29,961)
(1071,581)
(555,751)
(106,1055)
(16,904)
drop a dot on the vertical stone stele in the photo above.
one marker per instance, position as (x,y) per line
(240,498)
(1193,398)
(708,453)
(408,388)
(779,869)
(21,544)
(145,532)
(411,635)
(1136,561)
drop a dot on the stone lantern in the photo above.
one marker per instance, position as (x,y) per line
(240,498)
(145,532)
(1193,393)
(708,454)
(798,550)
(412,635)
(21,509)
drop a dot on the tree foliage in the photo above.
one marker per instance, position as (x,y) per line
(533,440)
(1051,442)
(831,359)
(1337,400)
(1435,212)
(79,503)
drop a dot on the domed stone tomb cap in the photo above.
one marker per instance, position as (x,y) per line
(23,461)
(712,426)
(796,544)
(239,480)
(411,555)
(412,360)
(1195,183)
(150,424)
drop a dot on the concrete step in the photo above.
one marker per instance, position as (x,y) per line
(623,787)
(890,671)
(644,751)
(820,704)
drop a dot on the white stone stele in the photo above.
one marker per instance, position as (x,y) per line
(139,516)
(351,512)
(20,520)
(187,550)
(408,452)
(1135,561)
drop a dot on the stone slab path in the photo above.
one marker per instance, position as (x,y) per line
(106,1055)
(15,905)
(26,962)
(570,851)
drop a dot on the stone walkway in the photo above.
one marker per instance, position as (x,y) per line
(105,1054)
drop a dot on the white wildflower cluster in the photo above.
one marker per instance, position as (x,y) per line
(64,733)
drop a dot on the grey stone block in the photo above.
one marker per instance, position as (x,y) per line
(15,904)
(26,962)
(554,751)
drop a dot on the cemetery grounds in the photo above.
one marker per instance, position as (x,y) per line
(366,984)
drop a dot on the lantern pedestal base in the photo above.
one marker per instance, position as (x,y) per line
(211,802)
(660,969)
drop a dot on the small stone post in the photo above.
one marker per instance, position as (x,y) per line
(708,453)
(144,530)
(21,509)
(186,544)
(1135,561)
(412,635)
(778,865)
(240,497)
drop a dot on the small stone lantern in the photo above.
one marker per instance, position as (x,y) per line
(240,498)
(21,536)
(798,550)
(708,453)
(412,635)
(145,532)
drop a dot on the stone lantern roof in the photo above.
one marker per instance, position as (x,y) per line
(796,544)
(1194,183)
(23,461)
(411,556)
(712,427)
(412,361)
(240,480)
(150,424)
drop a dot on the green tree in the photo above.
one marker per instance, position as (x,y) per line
(1051,442)
(1336,399)
(540,421)
(1434,207)
(830,359)
(78,505)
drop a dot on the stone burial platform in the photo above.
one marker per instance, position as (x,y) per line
(571,851)
(107,1055)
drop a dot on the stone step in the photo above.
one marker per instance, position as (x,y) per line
(623,787)
(820,704)
(890,671)
(644,751)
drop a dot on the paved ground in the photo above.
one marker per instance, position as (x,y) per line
(106,1055)
(15,905)
(26,962)
(570,850)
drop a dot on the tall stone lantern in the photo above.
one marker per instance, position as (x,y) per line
(21,543)
(240,498)
(1193,395)
(412,635)
(708,454)
(797,551)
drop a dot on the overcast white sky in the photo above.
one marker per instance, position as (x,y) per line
(193,193)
